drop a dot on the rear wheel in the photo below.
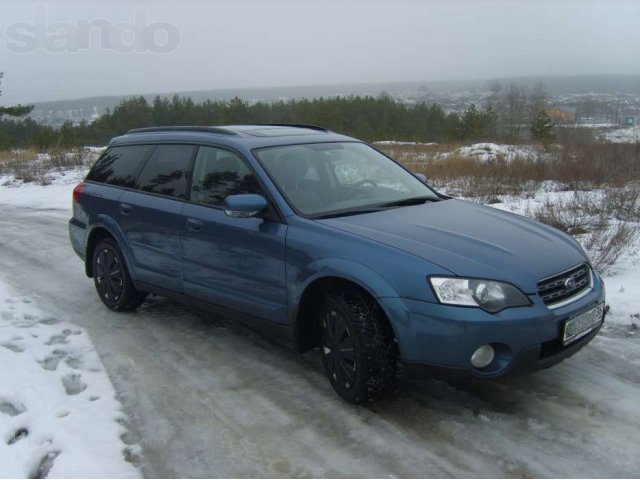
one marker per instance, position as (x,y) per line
(112,279)
(358,348)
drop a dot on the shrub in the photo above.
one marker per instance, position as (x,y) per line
(587,216)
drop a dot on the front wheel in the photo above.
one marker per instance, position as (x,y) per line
(112,279)
(358,349)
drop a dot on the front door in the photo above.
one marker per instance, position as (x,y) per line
(238,263)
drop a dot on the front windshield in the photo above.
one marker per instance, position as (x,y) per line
(325,178)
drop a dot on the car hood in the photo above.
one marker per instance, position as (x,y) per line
(470,240)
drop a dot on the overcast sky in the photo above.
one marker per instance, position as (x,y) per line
(126,47)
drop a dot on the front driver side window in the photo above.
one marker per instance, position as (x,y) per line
(218,173)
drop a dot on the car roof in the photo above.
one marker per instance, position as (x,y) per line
(236,136)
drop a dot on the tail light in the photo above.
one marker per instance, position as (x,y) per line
(77,191)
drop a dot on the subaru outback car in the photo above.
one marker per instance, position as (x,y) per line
(322,238)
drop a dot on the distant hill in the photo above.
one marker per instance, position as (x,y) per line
(56,112)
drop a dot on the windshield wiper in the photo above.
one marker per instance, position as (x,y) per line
(409,201)
(377,208)
(351,211)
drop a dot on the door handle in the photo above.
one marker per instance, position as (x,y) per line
(125,208)
(193,225)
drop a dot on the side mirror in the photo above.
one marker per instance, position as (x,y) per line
(244,206)
(421,177)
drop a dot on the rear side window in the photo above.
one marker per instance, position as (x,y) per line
(166,170)
(120,165)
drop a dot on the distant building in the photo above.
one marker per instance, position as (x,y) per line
(629,121)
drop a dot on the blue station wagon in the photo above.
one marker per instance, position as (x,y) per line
(324,239)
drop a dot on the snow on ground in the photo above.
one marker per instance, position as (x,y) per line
(623,291)
(591,125)
(622,135)
(396,142)
(494,151)
(56,195)
(59,416)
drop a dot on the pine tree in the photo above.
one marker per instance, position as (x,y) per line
(542,127)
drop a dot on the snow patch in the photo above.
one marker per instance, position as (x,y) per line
(491,152)
(59,416)
(56,195)
(622,135)
(396,142)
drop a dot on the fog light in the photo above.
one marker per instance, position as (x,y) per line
(483,356)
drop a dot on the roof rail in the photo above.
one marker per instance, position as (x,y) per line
(222,131)
(296,125)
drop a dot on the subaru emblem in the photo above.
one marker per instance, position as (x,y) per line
(570,283)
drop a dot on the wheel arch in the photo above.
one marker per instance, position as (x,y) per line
(98,232)
(304,328)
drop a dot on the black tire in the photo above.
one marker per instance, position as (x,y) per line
(112,280)
(359,353)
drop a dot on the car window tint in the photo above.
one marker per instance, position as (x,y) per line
(120,165)
(166,171)
(218,173)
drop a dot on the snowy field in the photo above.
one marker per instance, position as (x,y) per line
(54,196)
(622,135)
(205,398)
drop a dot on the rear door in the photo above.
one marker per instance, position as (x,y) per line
(238,263)
(118,167)
(151,216)
(115,171)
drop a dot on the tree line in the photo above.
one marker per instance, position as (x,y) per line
(510,114)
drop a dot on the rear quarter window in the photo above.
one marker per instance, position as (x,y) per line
(120,165)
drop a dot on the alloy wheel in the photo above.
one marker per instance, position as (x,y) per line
(339,350)
(109,275)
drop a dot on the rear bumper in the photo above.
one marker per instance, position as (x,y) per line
(77,233)
(438,340)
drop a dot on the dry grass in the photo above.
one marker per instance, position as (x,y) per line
(591,217)
(573,167)
(624,202)
(594,219)
(7,156)
(606,245)
(29,166)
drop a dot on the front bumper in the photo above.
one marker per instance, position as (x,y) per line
(439,340)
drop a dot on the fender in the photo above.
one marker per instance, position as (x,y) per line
(358,273)
(363,276)
(110,225)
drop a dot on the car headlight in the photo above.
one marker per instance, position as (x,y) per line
(489,295)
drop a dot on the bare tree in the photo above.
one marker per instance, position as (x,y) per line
(516,109)
(538,99)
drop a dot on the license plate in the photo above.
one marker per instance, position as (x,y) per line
(579,326)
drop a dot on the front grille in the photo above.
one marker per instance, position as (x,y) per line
(557,289)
